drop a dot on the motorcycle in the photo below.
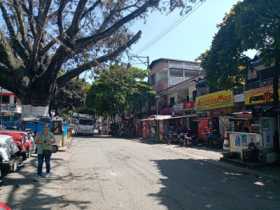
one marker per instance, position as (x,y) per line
(182,139)
(171,137)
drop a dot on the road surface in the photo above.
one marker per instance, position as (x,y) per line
(120,174)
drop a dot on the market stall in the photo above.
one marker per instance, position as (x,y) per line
(250,138)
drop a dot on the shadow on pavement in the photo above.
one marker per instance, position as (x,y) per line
(189,184)
(26,192)
(93,136)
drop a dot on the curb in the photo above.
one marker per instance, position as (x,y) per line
(244,170)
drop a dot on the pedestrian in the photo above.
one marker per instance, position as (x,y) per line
(44,142)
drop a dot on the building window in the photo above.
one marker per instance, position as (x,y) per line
(5,99)
(172,101)
(194,94)
(176,73)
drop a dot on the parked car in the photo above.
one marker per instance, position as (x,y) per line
(9,155)
(23,141)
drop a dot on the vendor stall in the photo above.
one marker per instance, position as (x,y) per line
(157,127)
(250,139)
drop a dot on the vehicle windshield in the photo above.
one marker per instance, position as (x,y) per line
(85,122)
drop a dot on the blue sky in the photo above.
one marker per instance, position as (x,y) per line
(189,39)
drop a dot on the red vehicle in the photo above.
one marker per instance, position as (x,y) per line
(22,139)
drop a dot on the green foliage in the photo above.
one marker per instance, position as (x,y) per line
(70,97)
(251,24)
(120,91)
(46,43)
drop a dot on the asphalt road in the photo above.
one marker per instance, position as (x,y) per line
(119,174)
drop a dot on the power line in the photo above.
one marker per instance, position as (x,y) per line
(171,27)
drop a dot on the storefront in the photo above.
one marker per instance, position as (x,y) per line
(250,136)
(158,127)
(154,127)
(213,109)
(260,101)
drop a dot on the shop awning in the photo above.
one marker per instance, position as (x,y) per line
(157,117)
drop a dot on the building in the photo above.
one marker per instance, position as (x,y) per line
(174,83)
(9,103)
(178,98)
(165,73)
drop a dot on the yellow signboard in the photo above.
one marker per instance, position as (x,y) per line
(260,95)
(216,100)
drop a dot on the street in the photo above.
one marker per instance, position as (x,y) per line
(120,174)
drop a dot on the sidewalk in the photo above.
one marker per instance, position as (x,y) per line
(22,190)
(214,157)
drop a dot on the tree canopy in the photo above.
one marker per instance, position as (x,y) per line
(41,38)
(120,91)
(70,97)
(251,24)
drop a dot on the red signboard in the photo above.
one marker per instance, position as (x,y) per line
(203,128)
(7,94)
(188,105)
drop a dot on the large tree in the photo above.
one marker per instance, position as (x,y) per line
(120,91)
(250,25)
(39,38)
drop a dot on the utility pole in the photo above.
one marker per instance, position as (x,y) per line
(1,95)
(145,60)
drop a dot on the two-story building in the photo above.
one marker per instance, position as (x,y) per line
(174,83)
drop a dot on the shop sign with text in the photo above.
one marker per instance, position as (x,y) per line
(260,95)
(216,100)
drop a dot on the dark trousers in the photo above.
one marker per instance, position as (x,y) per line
(46,156)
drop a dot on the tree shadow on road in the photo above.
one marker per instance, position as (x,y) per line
(189,184)
(26,192)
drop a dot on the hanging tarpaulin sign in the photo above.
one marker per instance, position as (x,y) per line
(216,100)
(262,95)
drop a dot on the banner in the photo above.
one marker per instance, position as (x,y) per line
(260,95)
(216,100)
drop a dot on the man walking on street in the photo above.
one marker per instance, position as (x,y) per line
(44,142)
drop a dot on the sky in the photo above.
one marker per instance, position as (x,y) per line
(187,40)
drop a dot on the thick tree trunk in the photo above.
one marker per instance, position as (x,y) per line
(36,101)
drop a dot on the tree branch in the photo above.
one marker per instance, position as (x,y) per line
(59,14)
(21,26)
(85,42)
(90,9)
(29,13)
(63,52)
(74,27)
(61,81)
(17,47)
(6,54)
(62,6)
(44,6)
